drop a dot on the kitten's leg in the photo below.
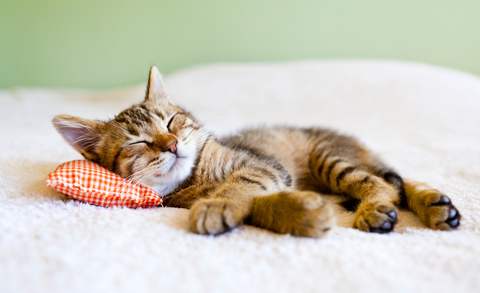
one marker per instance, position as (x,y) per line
(250,197)
(432,207)
(376,211)
(299,213)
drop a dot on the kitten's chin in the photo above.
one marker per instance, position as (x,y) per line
(166,183)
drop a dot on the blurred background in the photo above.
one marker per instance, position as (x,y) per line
(102,44)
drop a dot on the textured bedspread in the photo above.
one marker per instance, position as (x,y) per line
(423,120)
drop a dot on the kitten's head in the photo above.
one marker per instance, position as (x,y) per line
(154,143)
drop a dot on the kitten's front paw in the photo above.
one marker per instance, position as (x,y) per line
(440,213)
(375,217)
(215,216)
(299,213)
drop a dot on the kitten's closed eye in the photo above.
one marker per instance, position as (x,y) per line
(170,122)
(140,142)
(178,122)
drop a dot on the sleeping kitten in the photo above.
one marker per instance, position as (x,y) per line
(266,177)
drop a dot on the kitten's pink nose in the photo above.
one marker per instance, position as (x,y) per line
(171,147)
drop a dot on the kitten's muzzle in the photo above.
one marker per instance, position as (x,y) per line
(172,147)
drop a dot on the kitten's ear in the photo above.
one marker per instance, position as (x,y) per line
(155,89)
(82,134)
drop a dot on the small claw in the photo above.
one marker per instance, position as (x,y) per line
(386,227)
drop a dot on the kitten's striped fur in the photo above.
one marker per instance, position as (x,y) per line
(267,177)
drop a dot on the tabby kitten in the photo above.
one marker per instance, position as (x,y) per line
(266,177)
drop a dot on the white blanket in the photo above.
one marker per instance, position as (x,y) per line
(423,120)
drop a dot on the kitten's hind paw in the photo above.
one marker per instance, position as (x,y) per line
(440,213)
(375,217)
(433,207)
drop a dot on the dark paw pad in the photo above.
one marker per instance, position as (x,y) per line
(453,219)
(388,225)
(392,215)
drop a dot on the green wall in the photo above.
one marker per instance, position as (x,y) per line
(93,43)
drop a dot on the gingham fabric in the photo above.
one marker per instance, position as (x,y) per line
(92,183)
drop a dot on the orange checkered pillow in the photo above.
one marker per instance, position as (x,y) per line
(92,183)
